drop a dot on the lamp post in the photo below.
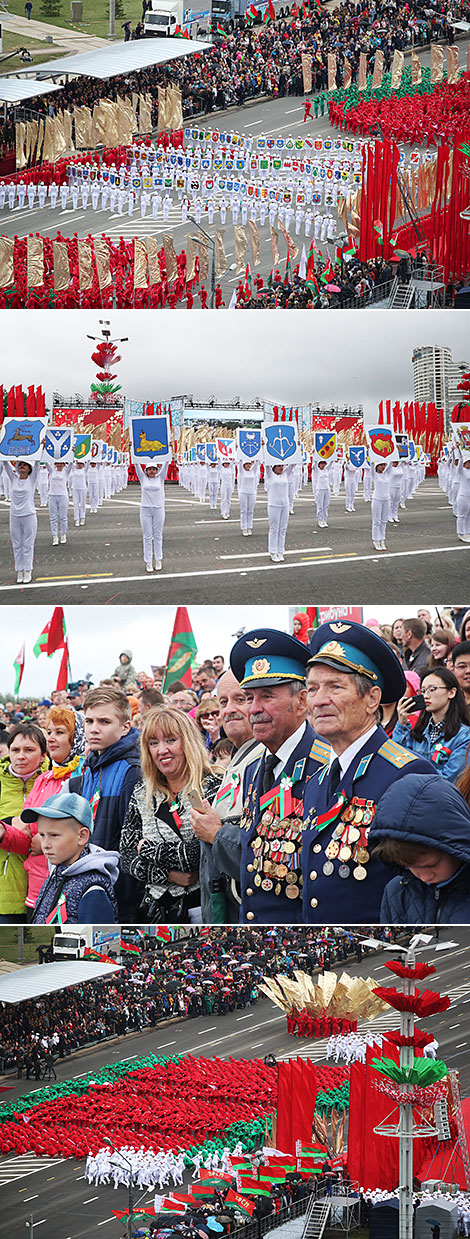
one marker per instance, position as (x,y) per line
(210,244)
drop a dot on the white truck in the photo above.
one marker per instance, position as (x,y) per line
(74,942)
(164,17)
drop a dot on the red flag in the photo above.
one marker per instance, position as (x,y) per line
(57,631)
(63,675)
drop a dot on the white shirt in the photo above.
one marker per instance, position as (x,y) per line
(284,751)
(349,754)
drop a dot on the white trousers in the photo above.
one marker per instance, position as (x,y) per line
(323,503)
(367,491)
(152,521)
(43,488)
(213,492)
(247,507)
(23,531)
(395,496)
(278,519)
(58,513)
(463,516)
(79,504)
(226,493)
(380,516)
(350,494)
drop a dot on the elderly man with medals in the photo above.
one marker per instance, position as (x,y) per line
(270,666)
(351,671)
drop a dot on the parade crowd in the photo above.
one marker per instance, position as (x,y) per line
(388,486)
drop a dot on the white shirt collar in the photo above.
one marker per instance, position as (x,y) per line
(349,754)
(284,751)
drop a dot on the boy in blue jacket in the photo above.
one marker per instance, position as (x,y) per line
(108,778)
(422,826)
(80,886)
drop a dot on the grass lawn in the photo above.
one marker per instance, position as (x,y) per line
(95,14)
(35,935)
(40,51)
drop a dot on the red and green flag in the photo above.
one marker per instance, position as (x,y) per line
(18,667)
(129,947)
(182,652)
(163,933)
(379,229)
(233,1200)
(40,645)
(327,275)
(89,953)
(252,1187)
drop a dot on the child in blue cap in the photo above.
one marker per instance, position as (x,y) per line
(80,886)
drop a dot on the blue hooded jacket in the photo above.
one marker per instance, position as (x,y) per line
(113,774)
(427,810)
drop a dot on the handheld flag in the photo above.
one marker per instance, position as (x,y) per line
(181,653)
(19,668)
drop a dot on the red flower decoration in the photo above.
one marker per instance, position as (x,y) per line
(418,1041)
(413,972)
(422,1003)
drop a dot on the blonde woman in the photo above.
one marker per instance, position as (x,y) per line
(158,844)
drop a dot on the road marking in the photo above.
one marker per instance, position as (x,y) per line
(107,1219)
(255,554)
(460,1045)
(23,1189)
(245,1017)
(74,577)
(452,1026)
(257,1044)
(90,1198)
(211,572)
(164,1046)
(212,1028)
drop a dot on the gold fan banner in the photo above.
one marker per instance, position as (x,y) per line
(346,998)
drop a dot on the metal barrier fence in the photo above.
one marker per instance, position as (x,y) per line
(255,1230)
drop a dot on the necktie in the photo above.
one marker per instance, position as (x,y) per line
(268,777)
(334,778)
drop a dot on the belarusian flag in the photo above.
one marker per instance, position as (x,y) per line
(40,646)
(163,933)
(288,270)
(181,653)
(199,1188)
(129,947)
(327,275)
(57,631)
(303,265)
(347,252)
(19,668)
(252,1187)
(172,1206)
(89,953)
(220,29)
(253,12)
(234,1201)
(247,280)
(311,1150)
(379,229)
(62,678)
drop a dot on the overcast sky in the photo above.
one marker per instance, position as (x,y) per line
(291,358)
(97,635)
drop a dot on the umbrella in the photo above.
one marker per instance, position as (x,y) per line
(333,288)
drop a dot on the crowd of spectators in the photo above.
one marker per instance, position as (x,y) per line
(251,62)
(195,976)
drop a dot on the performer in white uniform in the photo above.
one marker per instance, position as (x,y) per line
(59,472)
(79,480)
(152,511)
(93,482)
(248,478)
(380,505)
(23,519)
(277,486)
(321,473)
(227,483)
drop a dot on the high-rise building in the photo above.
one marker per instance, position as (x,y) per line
(436,377)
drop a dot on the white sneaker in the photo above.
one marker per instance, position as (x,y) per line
(245,533)
(55,541)
(378,546)
(63,538)
(77,523)
(148,568)
(26,577)
(158,564)
(249,533)
(19,578)
(274,559)
(83,521)
(382,546)
(280,559)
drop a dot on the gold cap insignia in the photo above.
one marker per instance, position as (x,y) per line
(256,642)
(340,627)
(261,666)
(333,647)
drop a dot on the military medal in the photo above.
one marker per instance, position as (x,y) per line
(332,850)
(292,892)
(362,855)
(359,873)
(328,868)
(266,884)
(345,853)
(344,871)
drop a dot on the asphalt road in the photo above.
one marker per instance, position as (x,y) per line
(269,116)
(206,557)
(61,1199)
